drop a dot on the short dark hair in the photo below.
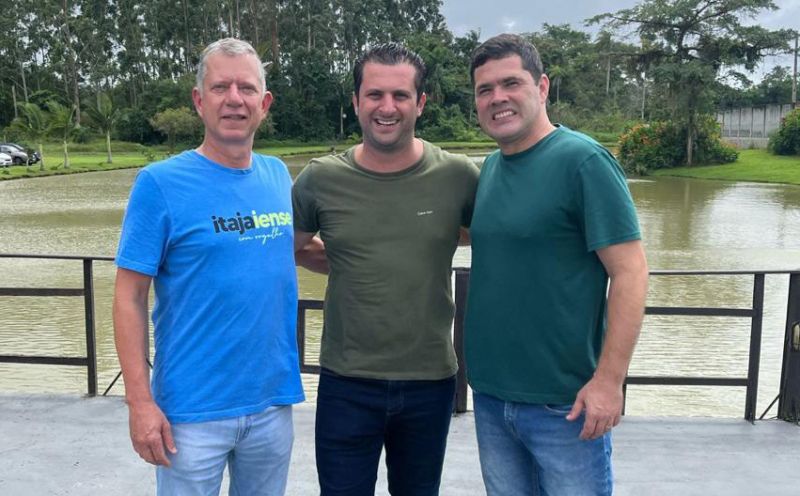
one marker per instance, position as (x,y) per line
(390,54)
(506,45)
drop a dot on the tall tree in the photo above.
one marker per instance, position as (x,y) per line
(693,41)
(33,124)
(61,124)
(105,116)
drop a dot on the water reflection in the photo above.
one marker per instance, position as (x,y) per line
(687,224)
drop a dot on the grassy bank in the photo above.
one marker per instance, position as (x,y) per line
(753,165)
(91,157)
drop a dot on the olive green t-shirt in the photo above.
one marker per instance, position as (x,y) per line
(535,318)
(389,240)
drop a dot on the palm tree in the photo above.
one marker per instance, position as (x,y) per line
(62,124)
(33,124)
(105,117)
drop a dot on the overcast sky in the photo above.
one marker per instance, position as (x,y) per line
(520,16)
(528,15)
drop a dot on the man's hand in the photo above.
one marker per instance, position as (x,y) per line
(602,400)
(151,433)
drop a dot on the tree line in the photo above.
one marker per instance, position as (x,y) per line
(115,66)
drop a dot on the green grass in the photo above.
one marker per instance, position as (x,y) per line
(78,162)
(753,165)
(91,157)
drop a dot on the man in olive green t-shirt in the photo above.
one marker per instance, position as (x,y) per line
(547,350)
(389,211)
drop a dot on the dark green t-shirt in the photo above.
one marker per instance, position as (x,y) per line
(536,309)
(389,240)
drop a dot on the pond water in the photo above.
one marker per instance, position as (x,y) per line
(687,224)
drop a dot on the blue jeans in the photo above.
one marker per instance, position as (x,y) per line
(356,418)
(256,448)
(531,450)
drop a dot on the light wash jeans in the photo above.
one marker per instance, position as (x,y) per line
(257,449)
(532,450)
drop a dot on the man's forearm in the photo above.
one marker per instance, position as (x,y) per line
(130,338)
(310,253)
(626,265)
(626,299)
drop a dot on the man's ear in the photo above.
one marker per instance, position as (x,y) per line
(198,101)
(544,87)
(421,103)
(266,102)
(355,103)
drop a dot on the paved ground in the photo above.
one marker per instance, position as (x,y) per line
(67,445)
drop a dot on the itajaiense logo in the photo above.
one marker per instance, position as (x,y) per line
(243,223)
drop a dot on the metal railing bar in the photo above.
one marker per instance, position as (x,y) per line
(754,361)
(45,360)
(310,369)
(721,272)
(685,381)
(701,311)
(89,320)
(310,304)
(41,291)
(57,257)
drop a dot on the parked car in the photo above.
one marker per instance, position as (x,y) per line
(33,156)
(5,160)
(17,153)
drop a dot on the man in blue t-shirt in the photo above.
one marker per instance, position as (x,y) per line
(212,229)
(547,348)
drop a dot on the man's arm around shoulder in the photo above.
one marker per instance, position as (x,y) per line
(149,428)
(309,252)
(601,397)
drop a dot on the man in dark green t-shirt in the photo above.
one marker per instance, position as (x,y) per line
(547,348)
(389,211)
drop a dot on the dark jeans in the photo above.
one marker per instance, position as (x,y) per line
(356,418)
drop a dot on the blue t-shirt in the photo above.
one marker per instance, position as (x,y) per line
(218,243)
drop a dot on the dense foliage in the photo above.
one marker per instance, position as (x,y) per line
(786,140)
(688,44)
(117,64)
(659,144)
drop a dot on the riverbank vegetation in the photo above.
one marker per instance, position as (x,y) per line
(91,157)
(786,140)
(84,72)
(122,72)
(752,165)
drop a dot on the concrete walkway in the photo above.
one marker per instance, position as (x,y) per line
(67,445)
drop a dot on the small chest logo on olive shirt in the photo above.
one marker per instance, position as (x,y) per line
(424,212)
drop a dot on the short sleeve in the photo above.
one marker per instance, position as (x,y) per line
(145,228)
(607,208)
(304,202)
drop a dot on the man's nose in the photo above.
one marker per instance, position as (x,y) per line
(388,103)
(233,96)
(498,95)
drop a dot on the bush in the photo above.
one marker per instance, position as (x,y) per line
(786,140)
(662,144)
(643,147)
(82,135)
